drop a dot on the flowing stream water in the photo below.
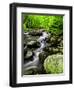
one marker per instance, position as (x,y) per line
(34,63)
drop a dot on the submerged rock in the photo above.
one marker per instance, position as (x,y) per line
(54,64)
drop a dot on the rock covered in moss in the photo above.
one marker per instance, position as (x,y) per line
(42,56)
(54,64)
(28,55)
(52,50)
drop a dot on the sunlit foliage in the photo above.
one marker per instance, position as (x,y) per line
(53,24)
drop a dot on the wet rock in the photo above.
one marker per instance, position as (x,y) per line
(28,55)
(31,38)
(35,33)
(42,56)
(33,44)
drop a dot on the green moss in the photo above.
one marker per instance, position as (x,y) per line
(54,64)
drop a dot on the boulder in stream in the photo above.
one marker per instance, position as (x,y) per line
(28,55)
(33,44)
(54,64)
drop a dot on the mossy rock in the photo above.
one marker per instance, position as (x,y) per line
(42,56)
(54,64)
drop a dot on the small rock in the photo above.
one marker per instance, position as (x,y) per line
(31,43)
(28,55)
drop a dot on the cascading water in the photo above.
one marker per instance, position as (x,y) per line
(34,64)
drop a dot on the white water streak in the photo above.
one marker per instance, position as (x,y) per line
(35,61)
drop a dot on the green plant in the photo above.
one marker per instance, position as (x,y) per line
(53,24)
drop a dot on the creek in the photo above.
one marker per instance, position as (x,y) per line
(35,63)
